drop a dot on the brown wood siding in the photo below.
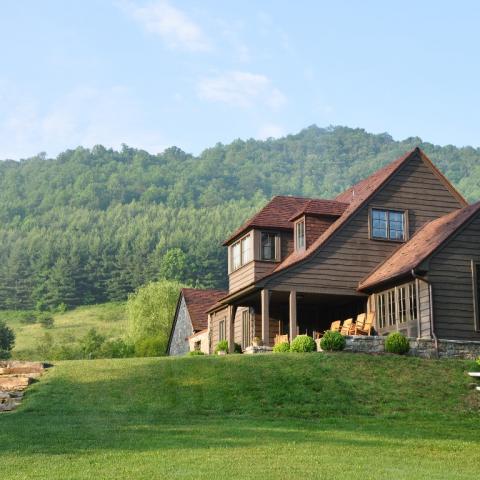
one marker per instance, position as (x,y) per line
(242,277)
(424,303)
(286,244)
(350,255)
(315,226)
(450,273)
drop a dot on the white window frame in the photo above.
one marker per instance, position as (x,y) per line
(245,252)
(298,245)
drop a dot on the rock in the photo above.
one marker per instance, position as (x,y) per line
(14,383)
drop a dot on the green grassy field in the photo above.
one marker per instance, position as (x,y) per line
(108,319)
(308,416)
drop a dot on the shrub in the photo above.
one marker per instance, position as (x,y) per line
(332,341)
(45,320)
(194,353)
(303,343)
(150,347)
(117,348)
(28,319)
(478,362)
(397,343)
(281,347)
(222,346)
(91,344)
(7,340)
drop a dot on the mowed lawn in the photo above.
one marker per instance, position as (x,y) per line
(306,416)
(109,319)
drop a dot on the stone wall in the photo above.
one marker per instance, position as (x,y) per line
(424,348)
(182,330)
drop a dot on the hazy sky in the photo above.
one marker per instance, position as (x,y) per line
(161,73)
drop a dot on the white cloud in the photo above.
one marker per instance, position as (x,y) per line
(270,130)
(84,116)
(176,29)
(241,89)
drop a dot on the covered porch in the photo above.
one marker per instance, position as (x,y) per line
(287,313)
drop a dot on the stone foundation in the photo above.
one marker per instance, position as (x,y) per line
(422,347)
(257,349)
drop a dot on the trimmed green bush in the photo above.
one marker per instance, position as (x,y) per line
(332,341)
(222,346)
(194,353)
(281,347)
(397,343)
(303,343)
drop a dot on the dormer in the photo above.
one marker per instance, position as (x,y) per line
(313,220)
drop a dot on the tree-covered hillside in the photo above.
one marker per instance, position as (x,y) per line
(92,225)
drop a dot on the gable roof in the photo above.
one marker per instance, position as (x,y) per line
(423,244)
(320,207)
(275,214)
(357,196)
(198,302)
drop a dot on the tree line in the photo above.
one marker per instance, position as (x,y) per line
(92,225)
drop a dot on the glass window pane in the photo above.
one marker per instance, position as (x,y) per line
(300,235)
(246,250)
(236,256)
(379,224)
(396,226)
(268,246)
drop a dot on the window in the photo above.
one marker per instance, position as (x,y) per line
(397,306)
(241,252)
(476,293)
(300,235)
(246,329)
(387,225)
(268,248)
(221,330)
(246,250)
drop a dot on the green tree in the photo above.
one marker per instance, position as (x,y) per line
(150,310)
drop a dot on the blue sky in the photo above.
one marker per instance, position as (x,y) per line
(157,73)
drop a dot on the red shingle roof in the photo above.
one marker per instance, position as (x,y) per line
(275,214)
(321,207)
(425,242)
(198,302)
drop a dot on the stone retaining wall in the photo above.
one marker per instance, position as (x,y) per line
(421,347)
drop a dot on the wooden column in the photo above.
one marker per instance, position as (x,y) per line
(265,300)
(231,328)
(292,314)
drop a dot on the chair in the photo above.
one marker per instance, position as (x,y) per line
(280,339)
(367,326)
(347,327)
(336,326)
(359,323)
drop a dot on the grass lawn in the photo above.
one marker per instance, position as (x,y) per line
(108,319)
(309,416)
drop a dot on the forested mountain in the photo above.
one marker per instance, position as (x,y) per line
(92,225)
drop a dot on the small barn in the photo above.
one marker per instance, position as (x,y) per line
(190,324)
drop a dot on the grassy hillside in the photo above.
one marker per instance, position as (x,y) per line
(108,319)
(270,417)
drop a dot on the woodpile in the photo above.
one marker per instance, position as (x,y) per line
(15,377)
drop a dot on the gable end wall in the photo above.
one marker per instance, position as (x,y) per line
(350,255)
(182,330)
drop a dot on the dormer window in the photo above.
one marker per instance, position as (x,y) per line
(268,246)
(300,235)
(387,224)
(241,252)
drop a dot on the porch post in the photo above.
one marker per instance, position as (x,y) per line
(292,314)
(232,310)
(265,299)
